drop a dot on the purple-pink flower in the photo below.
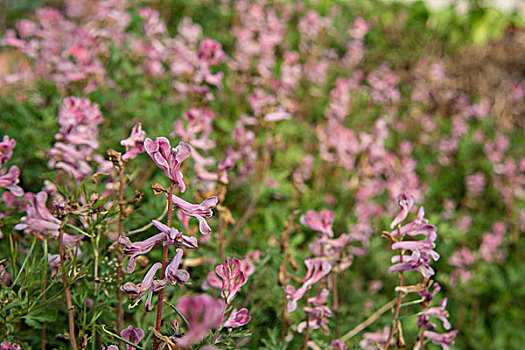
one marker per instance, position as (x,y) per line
(320,222)
(238,318)
(10,180)
(135,249)
(198,211)
(316,269)
(445,340)
(9,346)
(173,273)
(133,335)
(202,313)
(148,285)
(405,202)
(233,278)
(168,159)
(134,143)
(175,237)
(6,149)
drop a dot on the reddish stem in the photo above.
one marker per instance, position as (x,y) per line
(120,315)
(164,265)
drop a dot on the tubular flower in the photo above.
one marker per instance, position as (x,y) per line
(39,219)
(173,273)
(202,313)
(406,202)
(422,250)
(445,340)
(148,284)
(233,278)
(133,335)
(135,249)
(6,149)
(198,211)
(134,143)
(316,269)
(238,318)
(440,312)
(320,222)
(175,237)
(167,158)
(10,181)
(318,313)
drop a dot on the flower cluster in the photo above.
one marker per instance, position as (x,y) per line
(77,138)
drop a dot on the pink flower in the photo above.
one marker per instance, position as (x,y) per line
(370,340)
(405,202)
(4,275)
(211,52)
(39,219)
(423,320)
(238,318)
(173,273)
(135,249)
(320,222)
(175,237)
(202,313)
(318,313)
(6,149)
(10,181)
(148,284)
(490,249)
(168,159)
(316,269)
(339,345)
(134,143)
(359,29)
(77,138)
(233,278)
(133,335)
(444,340)
(198,211)
(9,346)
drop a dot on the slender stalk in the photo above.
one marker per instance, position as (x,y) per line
(398,303)
(44,324)
(369,320)
(164,265)
(70,310)
(120,315)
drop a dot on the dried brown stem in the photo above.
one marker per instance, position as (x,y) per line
(369,320)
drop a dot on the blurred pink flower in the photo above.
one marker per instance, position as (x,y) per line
(202,313)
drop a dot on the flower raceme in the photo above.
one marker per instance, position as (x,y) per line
(422,250)
(168,159)
(169,235)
